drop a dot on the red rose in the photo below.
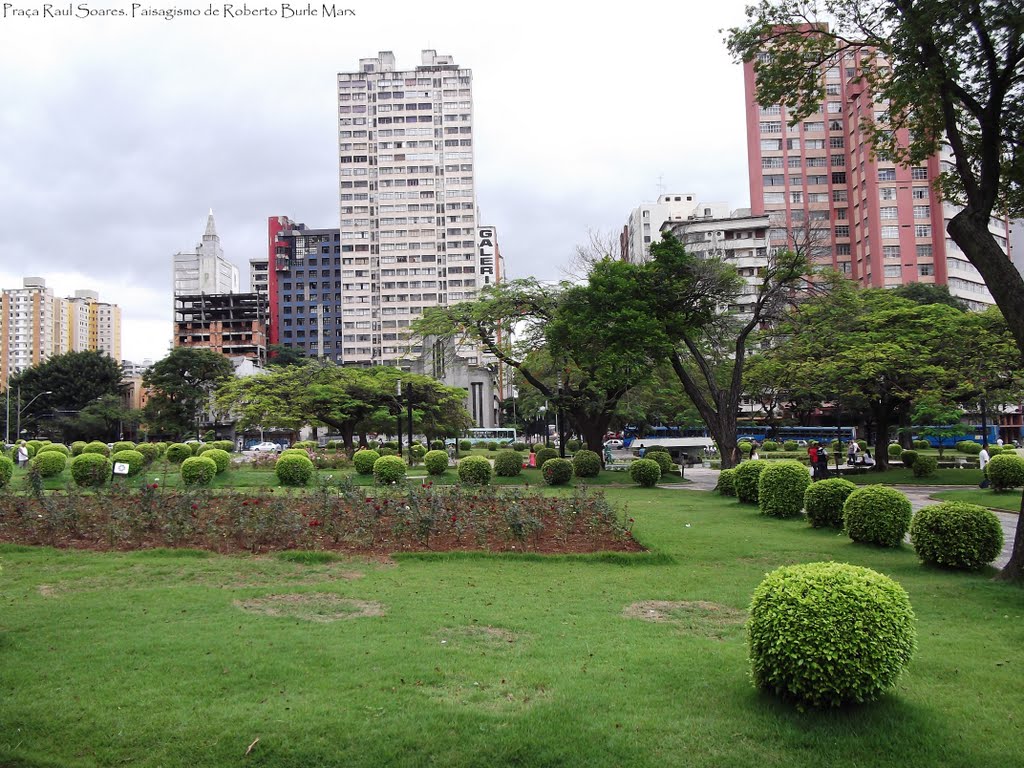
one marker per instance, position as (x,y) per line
(195,506)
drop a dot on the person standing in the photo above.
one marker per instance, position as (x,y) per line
(22,455)
(822,462)
(642,451)
(851,452)
(812,454)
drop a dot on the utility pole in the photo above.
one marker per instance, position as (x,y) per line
(398,390)
(408,391)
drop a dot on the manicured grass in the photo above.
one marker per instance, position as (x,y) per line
(904,476)
(1008,500)
(146,659)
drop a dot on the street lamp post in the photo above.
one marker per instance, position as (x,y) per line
(408,393)
(398,392)
(22,410)
(544,410)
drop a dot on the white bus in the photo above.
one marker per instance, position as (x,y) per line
(500,435)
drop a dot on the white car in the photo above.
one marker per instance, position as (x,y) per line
(266,447)
(613,445)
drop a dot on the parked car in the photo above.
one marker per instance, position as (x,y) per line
(266,447)
(613,445)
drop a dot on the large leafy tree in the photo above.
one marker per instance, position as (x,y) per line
(350,400)
(181,386)
(63,385)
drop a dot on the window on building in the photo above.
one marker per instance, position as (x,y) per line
(838,161)
(891,251)
(843,230)
(771,126)
(892,270)
(887,174)
(890,233)
(814,143)
(771,145)
(839,195)
(774,180)
(919,193)
(793,143)
(925,269)
(924,251)
(919,174)
(766,162)
(922,230)
(887,193)
(836,142)
(889,212)
(839,177)
(922,212)
(772,198)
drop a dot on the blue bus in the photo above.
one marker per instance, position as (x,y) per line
(965,433)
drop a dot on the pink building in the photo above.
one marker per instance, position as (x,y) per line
(881,224)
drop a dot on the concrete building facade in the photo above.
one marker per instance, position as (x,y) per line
(230,324)
(204,269)
(643,227)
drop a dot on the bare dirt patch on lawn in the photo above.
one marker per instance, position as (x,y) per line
(320,607)
(695,617)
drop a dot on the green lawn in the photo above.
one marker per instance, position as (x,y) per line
(1007,500)
(148,659)
(903,476)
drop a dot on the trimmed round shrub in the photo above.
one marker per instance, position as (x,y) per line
(508,464)
(220,457)
(781,487)
(135,461)
(388,470)
(96,447)
(294,452)
(198,470)
(465,445)
(922,445)
(573,445)
(923,466)
(437,445)
(645,472)
(150,451)
(203,449)
(994,450)
(436,462)
(91,469)
(586,463)
(748,474)
(162,448)
(894,450)
(863,444)
(123,445)
(77,446)
(385,451)
(956,535)
(745,447)
(178,452)
(392,444)
(664,459)
(418,452)
(543,454)
(194,448)
(827,634)
(876,514)
(969,447)
(308,445)
(294,470)
(49,463)
(519,447)
(492,446)
(726,482)
(824,500)
(557,471)
(908,458)
(474,470)
(224,445)
(769,446)
(364,460)
(58,447)
(790,445)
(6,470)
(1005,471)
(33,447)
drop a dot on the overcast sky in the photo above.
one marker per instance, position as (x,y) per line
(118,134)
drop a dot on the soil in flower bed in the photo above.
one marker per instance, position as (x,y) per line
(341,519)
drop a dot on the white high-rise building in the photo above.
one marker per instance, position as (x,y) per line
(407,200)
(643,227)
(205,270)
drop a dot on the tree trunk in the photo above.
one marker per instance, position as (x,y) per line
(1014,570)
(906,438)
(881,437)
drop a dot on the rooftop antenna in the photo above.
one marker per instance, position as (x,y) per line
(661,185)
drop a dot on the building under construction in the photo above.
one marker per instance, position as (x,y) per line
(233,324)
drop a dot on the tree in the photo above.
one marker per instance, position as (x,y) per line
(948,71)
(181,386)
(929,293)
(282,355)
(350,400)
(708,340)
(105,418)
(64,385)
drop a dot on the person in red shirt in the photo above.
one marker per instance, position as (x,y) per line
(812,454)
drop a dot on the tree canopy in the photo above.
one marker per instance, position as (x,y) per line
(181,386)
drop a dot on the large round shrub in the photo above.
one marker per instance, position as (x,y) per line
(908,458)
(198,470)
(135,461)
(437,445)
(519,446)
(876,514)
(790,445)
(436,462)
(824,500)
(894,450)
(557,471)
(573,445)
(220,457)
(544,454)
(664,459)
(746,447)
(96,447)
(49,463)
(150,451)
(769,446)
(748,475)
(969,447)
(294,452)
(465,445)
(91,469)
(33,447)
(921,445)
(294,470)
(59,447)
(781,487)
(508,464)
(956,535)
(827,634)
(123,445)
(1005,471)
(178,452)
(418,452)
(726,482)
(364,460)
(586,463)
(6,470)
(388,470)
(474,470)
(994,450)
(224,445)
(77,446)
(645,472)
(923,466)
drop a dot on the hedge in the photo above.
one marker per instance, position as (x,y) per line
(544,454)
(364,460)
(956,535)
(465,445)
(178,452)
(645,472)
(586,463)
(135,460)
(220,457)
(664,460)
(151,451)
(474,470)
(59,447)
(894,450)
(96,447)
(6,470)
(824,500)
(781,487)
(1005,471)
(877,514)
(77,446)
(49,463)
(827,634)
(908,458)
(91,469)
(924,466)
(198,470)
(748,474)
(123,445)
(436,462)
(296,470)
(726,482)
(557,471)
(388,470)
(507,464)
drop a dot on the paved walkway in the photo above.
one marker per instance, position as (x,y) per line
(702,479)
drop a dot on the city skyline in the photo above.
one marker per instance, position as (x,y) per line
(246,124)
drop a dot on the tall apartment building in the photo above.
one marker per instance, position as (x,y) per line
(36,325)
(819,182)
(204,269)
(408,224)
(643,227)
(259,275)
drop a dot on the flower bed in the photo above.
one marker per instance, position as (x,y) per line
(340,518)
